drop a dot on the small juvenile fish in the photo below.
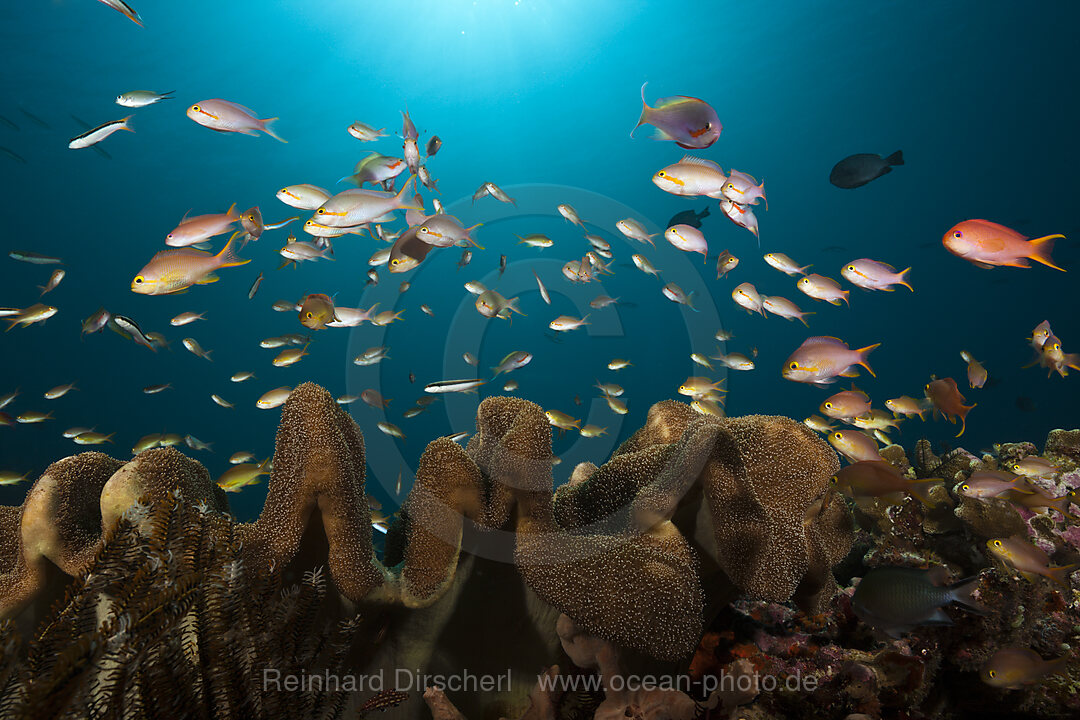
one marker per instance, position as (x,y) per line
(155,389)
(289,356)
(365,133)
(193,346)
(33,258)
(391,429)
(857,170)
(747,297)
(374,398)
(543,290)
(635,231)
(273,398)
(1014,668)
(782,307)
(255,286)
(609,389)
(988,245)
(54,280)
(688,239)
(906,405)
(570,214)
(222,401)
(744,189)
(427,310)
(742,216)
(564,323)
(95,135)
(186,317)
(72,433)
(196,444)
(96,322)
(687,121)
(36,313)
(873,275)
(466,258)
(642,263)
(491,304)
(59,391)
(240,475)
(376,168)
(386,317)
(700,387)
(433,145)
(241,457)
(992,483)
(536,240)
(372,355)
(975,371)
(619,364)
(445,230)
(469,358)
(10,477)
(818,424)
(734,361)
(725,263)
(947,400)
(510,386)
(497,192)
(512,361)
(561,420)
(591,431)
(676,294)
(820,360)
(820,287)
(142,98)
(1040,334)
(1029,560)
(784,264)
(226,116)
(899,599)
(602,301)
(1033,466)
(32,416)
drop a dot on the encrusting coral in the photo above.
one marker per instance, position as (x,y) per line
(630,551)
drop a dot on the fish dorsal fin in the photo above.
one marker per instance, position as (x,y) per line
(238,106)
(667,102)
(824,340)
(691,160)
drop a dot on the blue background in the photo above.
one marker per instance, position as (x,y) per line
(980,97)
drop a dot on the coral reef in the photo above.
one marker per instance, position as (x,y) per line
(130,592)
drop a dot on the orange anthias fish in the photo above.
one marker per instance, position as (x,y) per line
(1014,668)
(987,245)
(947,400)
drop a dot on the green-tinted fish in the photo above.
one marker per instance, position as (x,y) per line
(1013,668)
(93,438)
(1029,560)
(391,429)
(241,475)
(33,258)
(36,313)
(877,478)
(899,599)
(10,477)
(316,310)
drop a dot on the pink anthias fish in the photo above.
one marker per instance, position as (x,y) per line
(226,116)
(873,275)
(742,216)
(689,122)
(820,360)
(194,230)
(743,189)
(987,245)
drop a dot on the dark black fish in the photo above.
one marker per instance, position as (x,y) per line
(898,599)
(1025,404)
(857,170)
(466,258)
(433,145)
(688,217)
(502,264)
(13,155)
(36,120)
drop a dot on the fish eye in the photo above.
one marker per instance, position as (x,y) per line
(927,387)
(309,314)
(957,234)
(196,108)
(320,211)
(834,479)
(423,229)
(838,435)
(394,261)
(964,488)
(795,366)
(708,125)
(992,673)
(661,174)
(851,268)
(997,543)
(138,279)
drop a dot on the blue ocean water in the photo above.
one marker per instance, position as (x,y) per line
(538,97)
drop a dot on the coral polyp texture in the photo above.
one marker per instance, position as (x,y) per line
(702,547)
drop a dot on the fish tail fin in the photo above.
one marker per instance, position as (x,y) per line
(644,118)
(1040,249)
(266,128)
(963,592)
(803,318)
(165,95)
(265,464)
(1060,575)
(228,257)
(234,216)
(897,158)
(125,126)
(963,417)
(400,200)
(904,274)
(863,352)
